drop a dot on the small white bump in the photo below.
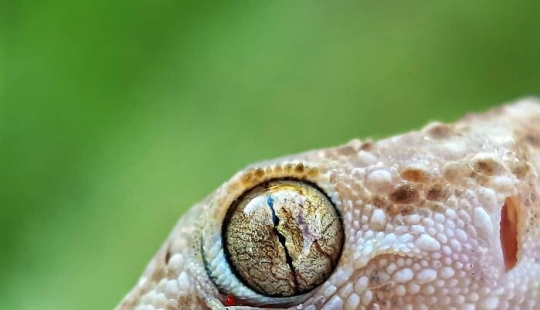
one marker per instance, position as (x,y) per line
(160,301)
(428,290)
(447,261)
(461,235)
(388,238)
(442,237)
(361,284)
(455,245)
(171,289)
(439,218)
(161,285)
(176,263)
(412,219)
(446,250)
(330,290)
(459,299)
(452,203)
(352,302)
(403,275)
(367,250)
(436,255)
(400,262)
(489,303)
(426,275)
(447,300)
(482,222)
(427,243)
(183,282)
(428,222)
(446,272)
(405,238)
(413,288)
(379,181)
(400,290)
(342,276)
(335,303)
(391,268)
(400,229)
(502,184)
(472,297)
(369,235)
(366,158)
(432,300)
(358,260)
(417,229)
(346,290)
(378,219)
(450,214)
(488,198)
(366,298)
(463,215)
(149,298)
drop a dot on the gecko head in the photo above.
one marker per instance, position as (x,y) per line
(386,233)
(342,228)
(347,227)
(430,219)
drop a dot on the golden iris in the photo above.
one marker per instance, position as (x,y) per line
(283,237)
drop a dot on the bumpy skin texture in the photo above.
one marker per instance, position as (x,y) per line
(421,215)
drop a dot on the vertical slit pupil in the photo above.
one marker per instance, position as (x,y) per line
(509,234)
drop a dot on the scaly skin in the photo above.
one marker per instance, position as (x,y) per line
(421,215)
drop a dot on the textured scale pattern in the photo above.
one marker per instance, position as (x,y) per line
(421,214)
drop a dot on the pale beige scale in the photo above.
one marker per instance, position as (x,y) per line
(444,218)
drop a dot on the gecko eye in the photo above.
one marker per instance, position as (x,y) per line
(281,240)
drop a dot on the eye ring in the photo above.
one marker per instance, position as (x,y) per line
(282,238)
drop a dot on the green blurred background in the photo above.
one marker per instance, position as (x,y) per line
(117,116)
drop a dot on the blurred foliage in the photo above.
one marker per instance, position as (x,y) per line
(117,116)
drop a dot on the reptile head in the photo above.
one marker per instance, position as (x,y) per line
(446,217)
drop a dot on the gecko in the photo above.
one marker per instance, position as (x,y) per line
(447,217)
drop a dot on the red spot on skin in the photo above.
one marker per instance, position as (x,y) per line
(229,301)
